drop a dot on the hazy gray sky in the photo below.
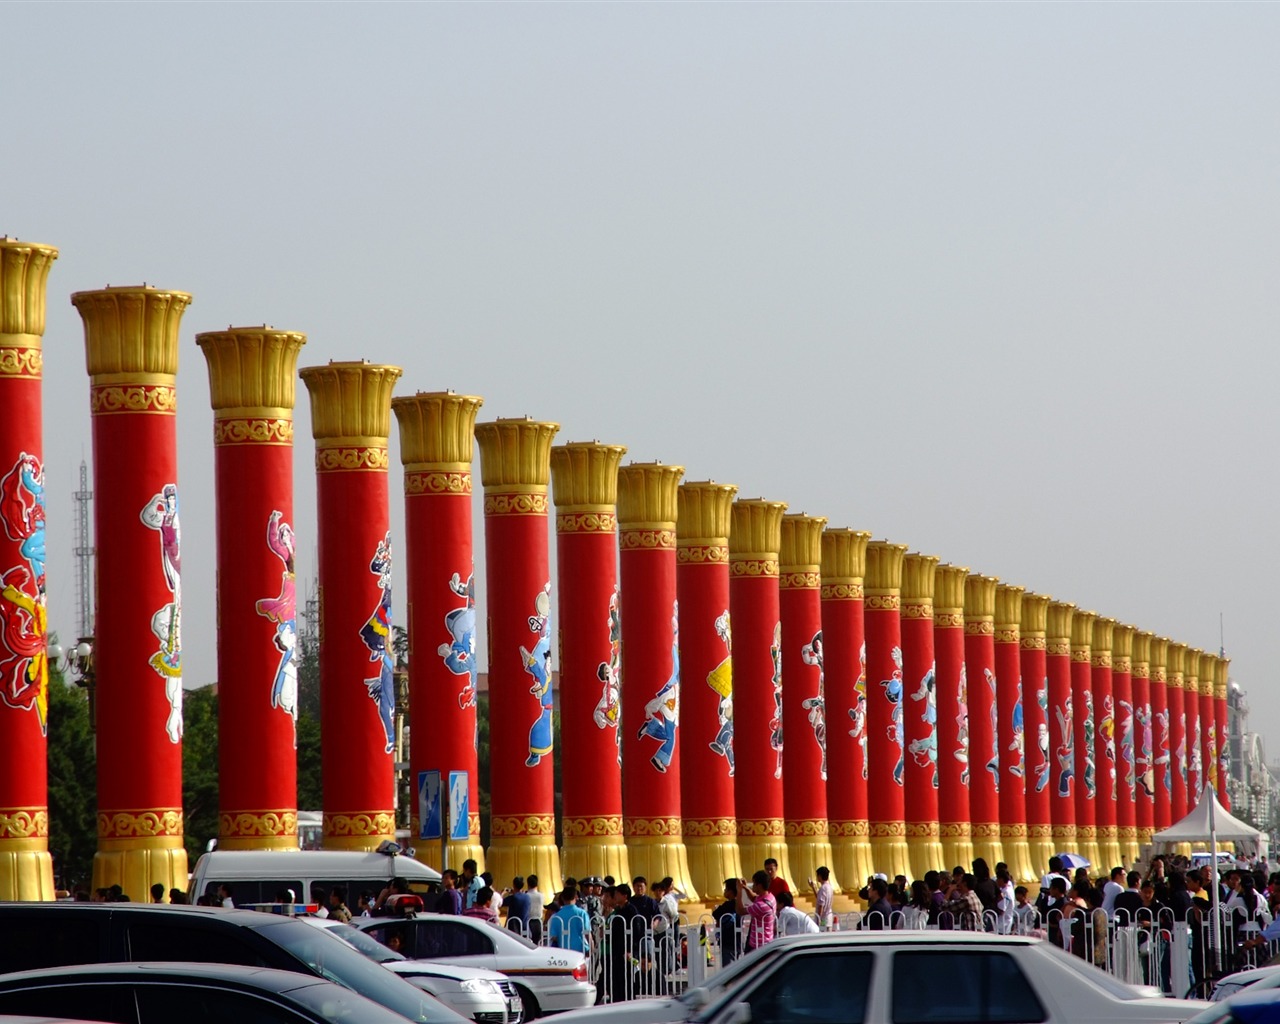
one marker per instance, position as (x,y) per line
(995,281)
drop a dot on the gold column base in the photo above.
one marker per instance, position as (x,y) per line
(760,839)
(957,845)
(1145,832)
(924,843)
(809,848)
(851,855)
(1109,850)
(1065,840)
(1087,846)
(1042,841)
(1017,853)
(26,869)
(511,855)
(1128,837)
(427,851)
(258,830)
(357,830)
(889,851)
(136,863)
(659,853)
(595,850)
(712,847)
(987,845)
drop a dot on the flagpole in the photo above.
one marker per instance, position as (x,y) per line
(1213,854)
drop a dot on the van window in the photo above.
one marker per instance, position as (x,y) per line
(31,941)
(257,891)
(111,1003)
(157,937)
(964,987)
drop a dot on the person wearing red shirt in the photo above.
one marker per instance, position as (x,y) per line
(777,883)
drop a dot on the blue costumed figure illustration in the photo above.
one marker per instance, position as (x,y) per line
(459,653)
(1042,736)
(720,679)
(925,750)
(1067,748)
(24,673)
(662,713)
(282,611)
(1017,745)
(893,693)
(537,663)
(376,634)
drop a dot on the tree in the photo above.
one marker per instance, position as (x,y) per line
(200,768)
(73,763)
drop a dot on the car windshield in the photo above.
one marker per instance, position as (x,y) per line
(334,960)
(365,944)
(1095,976)
(340,1006)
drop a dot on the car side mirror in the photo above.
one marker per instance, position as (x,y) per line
(699,997)
(739,1013)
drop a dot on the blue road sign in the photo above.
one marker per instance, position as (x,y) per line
(430,825)
(459,807)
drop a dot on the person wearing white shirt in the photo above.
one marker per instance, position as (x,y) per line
(791,920)
(824,897)
(1006,903)
(1113,888)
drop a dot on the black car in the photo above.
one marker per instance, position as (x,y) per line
(160,993)
(34,936)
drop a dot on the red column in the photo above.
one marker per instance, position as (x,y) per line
(1064,779)
(804,703)
(1085,725)
(1163,718)
(1039,748)
(1220,683)
(26,869)
(1011,735)
(1126,743)
(515,465)
(584,479)
(980,667)
(886,694)
(350,421)
(754,542)
(252,382)
(437,437)
(920,715)
(1104,751)
(954,821)
(1179,738)
(1145,731)
(131,344)
(708,755)
(1208,724)
(1195,728)
(844,557)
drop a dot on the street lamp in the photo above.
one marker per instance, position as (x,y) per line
(78,663)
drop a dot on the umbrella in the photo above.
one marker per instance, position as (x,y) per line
(1071,861)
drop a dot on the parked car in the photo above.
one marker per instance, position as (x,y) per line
(160,993)
(905,977)
(44,935)
(1249,1007)
(1257,979)
(547,979)
(485,996)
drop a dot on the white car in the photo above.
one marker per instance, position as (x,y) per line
(547,979)
(905,977)
(482,995)
(1257,979)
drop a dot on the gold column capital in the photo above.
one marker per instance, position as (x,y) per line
(1221,677)
(131,333)
(647,496)
(1035,614)
(584,476)
(755,531)
(1191,669)
(350,402)
(1082,623)
(884,567)
(1177,656)
(437,429)
(1008,613)
(252,371)
(1059,621)
(1122,640)
(704,509)
(1142,653)
(919,576)
(1206,674)
(24,279)
(844,555)
(1100,644)
(980,602)
(515,454)
(948,594)
(800,542)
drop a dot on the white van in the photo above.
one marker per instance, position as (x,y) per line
(260,876)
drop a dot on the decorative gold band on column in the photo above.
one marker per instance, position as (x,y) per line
(242,431)
(1008,635)
(24,823)
(1014,830)
(1040,831)
(1100,659)
(258,825)
(918,610)
(847,591)
(523,825)
(158,821)
(923,830)
(950,618)
(985,829)
(428,483)
(760,828)
(643,827)
(647,540)
(113,399)
(600,826)
(22,361)
(701,554)
(753,566)
(586,522)
(1033,643)
(882,602)
(709,828)
(888,829)
(1058,648)
(1086,832)
(1129,832)
(979,627)
(850,829)
(800,581)
(352,459)
(807,829)
(955,830)
(353,824)
(526,503)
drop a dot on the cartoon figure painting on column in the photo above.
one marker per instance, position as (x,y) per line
(459,653)
(1193,759)
(993,765)
(662,713)
(811,654)
(925,750)
(1066,751)
(1090,765)
(720,679)
(537,663)
(1181,753)
(282,612)
(608,710)
(1163,760)
(24,671)
(1107,730)
(1017,746)
(1126,745)
(1042,736)
(893,692)
(775,723)
(376,634)
(859,710)
(161,514)
(962,725)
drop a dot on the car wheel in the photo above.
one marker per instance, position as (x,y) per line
(529,1002)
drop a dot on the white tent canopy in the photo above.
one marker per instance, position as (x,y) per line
(1209,817)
